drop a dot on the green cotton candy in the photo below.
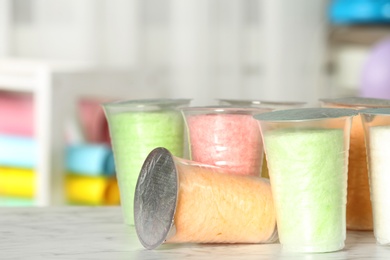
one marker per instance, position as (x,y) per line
(309,180)
(134,135)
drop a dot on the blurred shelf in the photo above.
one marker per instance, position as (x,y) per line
(358,34)
(56,87)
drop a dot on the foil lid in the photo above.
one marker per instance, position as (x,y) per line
(304,114)
(358,102)
(375,111)
(155,199)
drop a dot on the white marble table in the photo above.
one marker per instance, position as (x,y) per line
(98,233)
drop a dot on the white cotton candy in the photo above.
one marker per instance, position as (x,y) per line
(379,165)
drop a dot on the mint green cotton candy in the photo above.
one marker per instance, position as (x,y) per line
(134,135)
(309,180)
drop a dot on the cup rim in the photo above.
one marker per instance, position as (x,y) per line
(145,103)
(306,114)
(215,110)
(357,102)
(263,102)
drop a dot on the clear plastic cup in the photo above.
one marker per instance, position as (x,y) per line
(359,209)
(377,136)
(181,201)
(307,156)
(226,137)
(136,127)
(272,105)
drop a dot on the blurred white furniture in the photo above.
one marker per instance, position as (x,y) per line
(56,88)
(270,50)
(5,27)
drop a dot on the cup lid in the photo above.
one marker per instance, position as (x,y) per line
(147,104)
(375,111)
(225,110)
(155,201)
(358,102)
(262,102)
(304,114)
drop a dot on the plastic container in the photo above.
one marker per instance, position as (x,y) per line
(272,105)
(136,127)
(307,155)
(181,201)
(227,137)
(359,210)
(377,135)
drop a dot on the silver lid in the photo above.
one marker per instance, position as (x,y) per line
(358,102)
(304,114)
(155,199)
(376,111)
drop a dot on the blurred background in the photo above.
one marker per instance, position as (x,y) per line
(60,59)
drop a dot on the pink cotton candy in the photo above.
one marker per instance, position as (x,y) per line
(227,140)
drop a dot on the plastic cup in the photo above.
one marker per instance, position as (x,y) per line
(307,155)
(181,201)
(227,137)
(359,209)
(136,127)
(272,105)
(377,136)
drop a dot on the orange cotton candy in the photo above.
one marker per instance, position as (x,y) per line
(359,213)
(217,207)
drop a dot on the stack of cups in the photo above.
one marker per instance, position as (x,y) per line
(359,210)
(137,127)
(377,136)
(307,156)
(272,105)
(180,201)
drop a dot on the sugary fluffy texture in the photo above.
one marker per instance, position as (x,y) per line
(219,207)
(133,136)
(232,141)
(379,152)
(309,182)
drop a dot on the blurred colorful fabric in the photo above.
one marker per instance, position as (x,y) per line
(16,202)
(17,186)
(87,159)
(17,117)
(91,163)
(17,182)
(92,190)
(16,113)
